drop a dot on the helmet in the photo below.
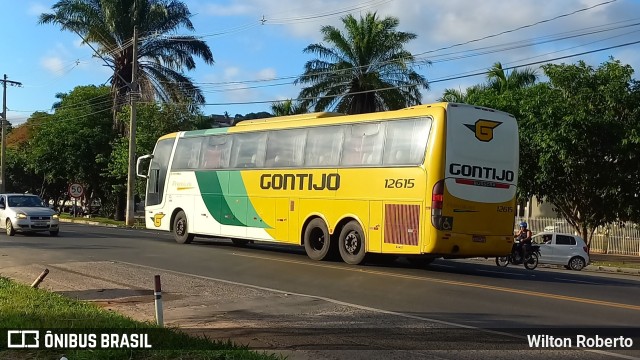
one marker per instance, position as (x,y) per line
(523,224)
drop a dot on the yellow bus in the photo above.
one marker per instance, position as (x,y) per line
(424,182)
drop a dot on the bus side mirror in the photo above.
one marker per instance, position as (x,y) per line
(144,176)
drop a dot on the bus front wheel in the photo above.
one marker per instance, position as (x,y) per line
(317,241)
(352,244)
(181,229)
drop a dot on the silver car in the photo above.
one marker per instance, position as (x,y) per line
(27,213)
(567,250)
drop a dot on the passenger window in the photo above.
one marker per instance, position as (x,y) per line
(565,240)
(216,152)
(363,145)
(187,154)
(406,141)
(323,146)
(248,150)
(285,148)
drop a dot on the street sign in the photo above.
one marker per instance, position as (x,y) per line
(76,190)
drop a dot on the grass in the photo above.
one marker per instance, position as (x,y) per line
(23,307)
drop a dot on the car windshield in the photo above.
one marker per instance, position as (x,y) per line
(25,201)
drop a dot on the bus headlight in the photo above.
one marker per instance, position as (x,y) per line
(21,216)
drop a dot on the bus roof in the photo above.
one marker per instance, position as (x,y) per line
(321,118)
(169,136)
(297,117)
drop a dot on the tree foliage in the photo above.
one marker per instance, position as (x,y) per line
(365,69)
(68,145)
(109,25)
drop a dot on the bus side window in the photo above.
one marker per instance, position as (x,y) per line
(323,146)
(285,148)
(215,154)
(363,144)
(406,141)
(248,150)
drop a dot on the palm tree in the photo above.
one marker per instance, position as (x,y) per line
(287,107)
(365,69)
(108,26)
(517,79)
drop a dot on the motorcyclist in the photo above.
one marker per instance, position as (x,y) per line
(524,238)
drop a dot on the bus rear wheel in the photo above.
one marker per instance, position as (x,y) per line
(181,229)
(351,243)
(317,241)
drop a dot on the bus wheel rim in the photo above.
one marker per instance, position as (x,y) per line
(317,239)
(180,227)
(352,243)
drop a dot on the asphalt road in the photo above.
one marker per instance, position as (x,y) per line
(467,293)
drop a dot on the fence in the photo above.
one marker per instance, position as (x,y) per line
(619,238)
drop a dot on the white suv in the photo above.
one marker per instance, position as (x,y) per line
(562,249)
(27,213)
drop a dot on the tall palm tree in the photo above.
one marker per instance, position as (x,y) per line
(287,107)
(364,69)
(516,79)
(108,26)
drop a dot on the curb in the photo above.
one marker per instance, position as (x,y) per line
(612,269)
(96,223)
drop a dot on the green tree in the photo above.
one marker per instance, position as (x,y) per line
(579,141)
(502,81)
(108,26)
(68,145)
(498,81)
(365,69)
(287,107)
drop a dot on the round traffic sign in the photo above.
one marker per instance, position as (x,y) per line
(76,190)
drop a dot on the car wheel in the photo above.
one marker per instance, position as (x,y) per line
(54,232)
(181,229)
(352,244)
(577,263)
(9,227)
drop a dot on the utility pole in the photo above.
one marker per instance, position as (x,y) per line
(3,155)
(131,175)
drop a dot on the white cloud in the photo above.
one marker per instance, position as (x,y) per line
(53,64)
(267,74)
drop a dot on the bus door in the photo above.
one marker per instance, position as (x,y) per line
(155,217)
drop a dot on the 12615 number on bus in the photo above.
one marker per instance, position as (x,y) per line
(399,183)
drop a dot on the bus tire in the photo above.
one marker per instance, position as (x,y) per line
(317,241)
(181,229)
(351,243)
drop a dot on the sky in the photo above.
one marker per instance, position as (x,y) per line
(258,44)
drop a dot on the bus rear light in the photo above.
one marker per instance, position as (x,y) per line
(437,200)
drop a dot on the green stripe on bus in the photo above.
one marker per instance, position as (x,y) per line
(228,208)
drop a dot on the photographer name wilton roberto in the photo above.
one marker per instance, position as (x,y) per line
(31,339)
(581,341)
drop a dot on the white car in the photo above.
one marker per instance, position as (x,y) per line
(27,213)
(562,249)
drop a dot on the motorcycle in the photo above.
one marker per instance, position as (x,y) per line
(530,260)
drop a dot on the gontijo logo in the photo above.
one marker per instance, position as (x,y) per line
(483,129)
